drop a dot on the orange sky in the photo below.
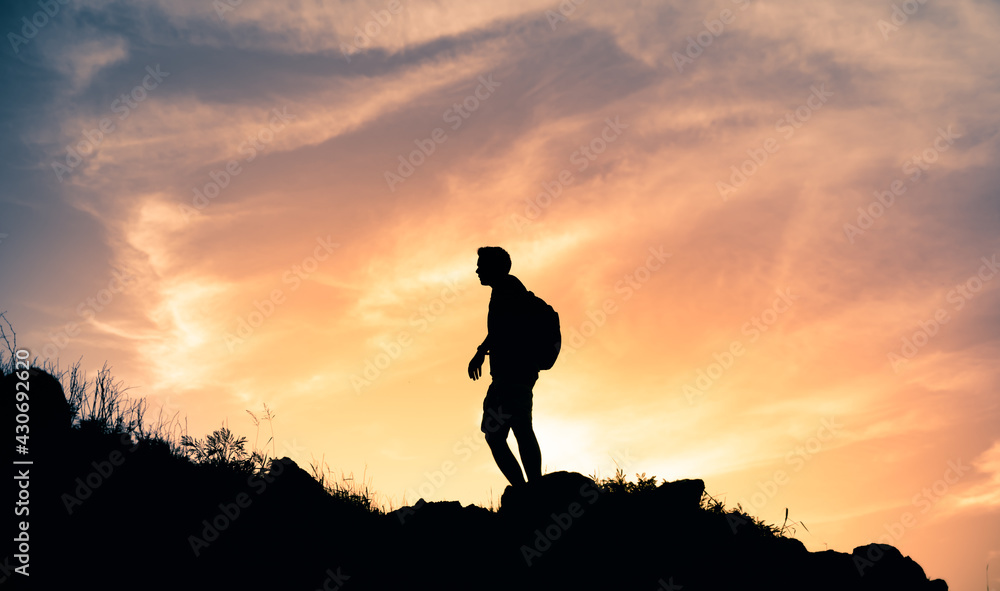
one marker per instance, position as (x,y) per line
(293,211)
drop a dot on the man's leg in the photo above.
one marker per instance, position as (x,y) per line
(496,426)
(531,454)
(527,443)
(504,457)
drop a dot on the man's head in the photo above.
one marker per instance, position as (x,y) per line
(493,264)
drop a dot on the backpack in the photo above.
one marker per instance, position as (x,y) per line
(542,331)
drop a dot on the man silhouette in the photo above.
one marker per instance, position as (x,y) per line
(507,405)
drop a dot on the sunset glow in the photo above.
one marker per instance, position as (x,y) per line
(771,231)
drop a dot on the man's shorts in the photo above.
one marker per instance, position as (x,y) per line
(507,405)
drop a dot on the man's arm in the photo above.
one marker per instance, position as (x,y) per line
(476,365)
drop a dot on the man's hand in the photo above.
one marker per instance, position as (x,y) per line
(476,365)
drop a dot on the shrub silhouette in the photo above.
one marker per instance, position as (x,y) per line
(220,448)
(618,484)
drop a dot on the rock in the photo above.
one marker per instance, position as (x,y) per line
(681,494)
(553,493)
(48,415)
(880,566)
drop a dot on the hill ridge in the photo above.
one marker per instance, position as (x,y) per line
(122,511)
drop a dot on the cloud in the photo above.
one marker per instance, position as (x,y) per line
(986,492)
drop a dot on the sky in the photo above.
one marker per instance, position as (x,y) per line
(770,230)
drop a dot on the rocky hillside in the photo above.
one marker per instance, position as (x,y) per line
(111,511)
